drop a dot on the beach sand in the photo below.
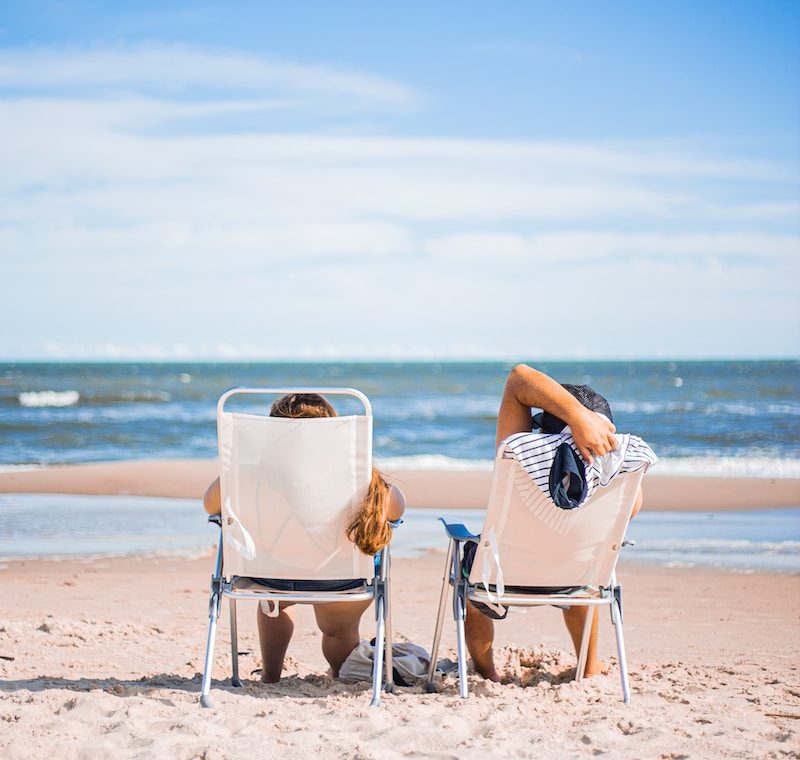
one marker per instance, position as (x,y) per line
(102,657)
(433,488)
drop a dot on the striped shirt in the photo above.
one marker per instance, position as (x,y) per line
(536,451)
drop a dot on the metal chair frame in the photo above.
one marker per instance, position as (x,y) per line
(462,590)
(376,588)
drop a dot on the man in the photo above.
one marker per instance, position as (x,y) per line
(593,435)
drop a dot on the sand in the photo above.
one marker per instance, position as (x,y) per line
(102,658)
(424,488)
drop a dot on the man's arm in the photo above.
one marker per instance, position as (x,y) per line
(527,387)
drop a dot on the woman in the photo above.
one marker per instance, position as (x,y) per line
(369,530)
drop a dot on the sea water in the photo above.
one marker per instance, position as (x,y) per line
(709,416)
(48,525)
(701,417)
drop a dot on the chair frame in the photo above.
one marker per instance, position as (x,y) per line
(463,590)
(376,588)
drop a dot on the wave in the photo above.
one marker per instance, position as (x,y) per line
(747,467)
(432,462)
(733,408)
(50,398)
(719,545)
(33,399)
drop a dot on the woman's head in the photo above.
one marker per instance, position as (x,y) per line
(302,405)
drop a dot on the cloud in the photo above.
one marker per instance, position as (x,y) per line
(177,70)
(581,247)
(127,236)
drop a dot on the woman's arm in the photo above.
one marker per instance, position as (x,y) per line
(212,501)
(397,504)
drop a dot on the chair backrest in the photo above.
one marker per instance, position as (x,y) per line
(289,487)
(540,544)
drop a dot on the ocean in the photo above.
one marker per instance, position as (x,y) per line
(701,417)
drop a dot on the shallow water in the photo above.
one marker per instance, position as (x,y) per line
(51,525)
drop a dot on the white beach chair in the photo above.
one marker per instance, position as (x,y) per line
(532,553)
(288,488)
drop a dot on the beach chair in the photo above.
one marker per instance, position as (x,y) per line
(532,553)
(288,488)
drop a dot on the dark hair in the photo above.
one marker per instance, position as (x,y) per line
(588,396)
(302,405)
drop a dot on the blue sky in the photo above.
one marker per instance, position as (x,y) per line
(360,180)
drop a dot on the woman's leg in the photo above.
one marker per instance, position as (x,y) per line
(274,635)
(338,622)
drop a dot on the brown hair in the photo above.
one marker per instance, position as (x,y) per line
(369,529)
(302,405)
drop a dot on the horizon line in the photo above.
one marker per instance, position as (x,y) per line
(409,359)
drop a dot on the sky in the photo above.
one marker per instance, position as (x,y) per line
(356,180)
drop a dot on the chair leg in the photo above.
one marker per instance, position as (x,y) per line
(213,615)
(389,670)
(234,644)
(377,664)
(616,618)
(430,687)
(461,643)
(584,650)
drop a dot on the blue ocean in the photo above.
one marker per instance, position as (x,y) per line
(697,415)
(701,417)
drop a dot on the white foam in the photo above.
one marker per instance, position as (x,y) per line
(746,467)
(432,462)
(48,398)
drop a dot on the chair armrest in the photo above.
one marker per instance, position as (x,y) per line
(216,519)
(459,532)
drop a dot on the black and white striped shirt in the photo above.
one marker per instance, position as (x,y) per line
(536,451)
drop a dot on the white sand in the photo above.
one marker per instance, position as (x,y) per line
(101,658)
(107,654)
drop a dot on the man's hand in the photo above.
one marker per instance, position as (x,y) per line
(593,434)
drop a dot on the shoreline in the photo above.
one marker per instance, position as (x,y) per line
(424,488)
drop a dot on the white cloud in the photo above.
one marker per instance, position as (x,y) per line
(124,236)
(181,70)
(590,245)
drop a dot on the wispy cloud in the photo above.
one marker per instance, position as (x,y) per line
(181,71)
(112,221)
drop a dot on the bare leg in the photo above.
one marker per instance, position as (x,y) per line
(479,632)
(274,634)
(575,618)
(338,622)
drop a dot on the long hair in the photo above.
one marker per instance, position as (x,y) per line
(369,529)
